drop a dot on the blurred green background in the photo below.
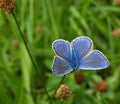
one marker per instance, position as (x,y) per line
(42,22)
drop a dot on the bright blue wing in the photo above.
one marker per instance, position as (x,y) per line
(80,47)
(62,49)
(61,66)
(94,60)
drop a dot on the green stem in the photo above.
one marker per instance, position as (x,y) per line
(57,88)
(22,36)
(28,51)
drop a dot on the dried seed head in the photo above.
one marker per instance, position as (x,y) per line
(7,5)
(63,92)
(116,33)
(39,29)
(101,86)
(79,77)
(116,2)
(15,43)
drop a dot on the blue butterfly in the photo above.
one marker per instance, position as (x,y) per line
(77,55)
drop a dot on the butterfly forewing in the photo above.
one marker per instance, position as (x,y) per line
(62,49)
(80,47)
(94,60)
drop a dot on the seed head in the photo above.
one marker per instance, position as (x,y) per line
(116,33)
(63,92)
(116,2)
(7,5)
(15,43)
(79,77)
(101,86)
(39,29)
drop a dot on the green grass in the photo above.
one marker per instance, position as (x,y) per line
(42,22)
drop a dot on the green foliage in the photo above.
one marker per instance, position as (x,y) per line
(42,22)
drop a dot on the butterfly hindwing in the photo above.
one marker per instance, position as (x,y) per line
(94,60)
(61,66)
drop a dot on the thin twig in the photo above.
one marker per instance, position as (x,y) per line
(57,88)
(28,51)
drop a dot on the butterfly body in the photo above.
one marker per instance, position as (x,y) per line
(77,55)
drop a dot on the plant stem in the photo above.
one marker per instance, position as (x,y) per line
(57,88)
(28,51)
